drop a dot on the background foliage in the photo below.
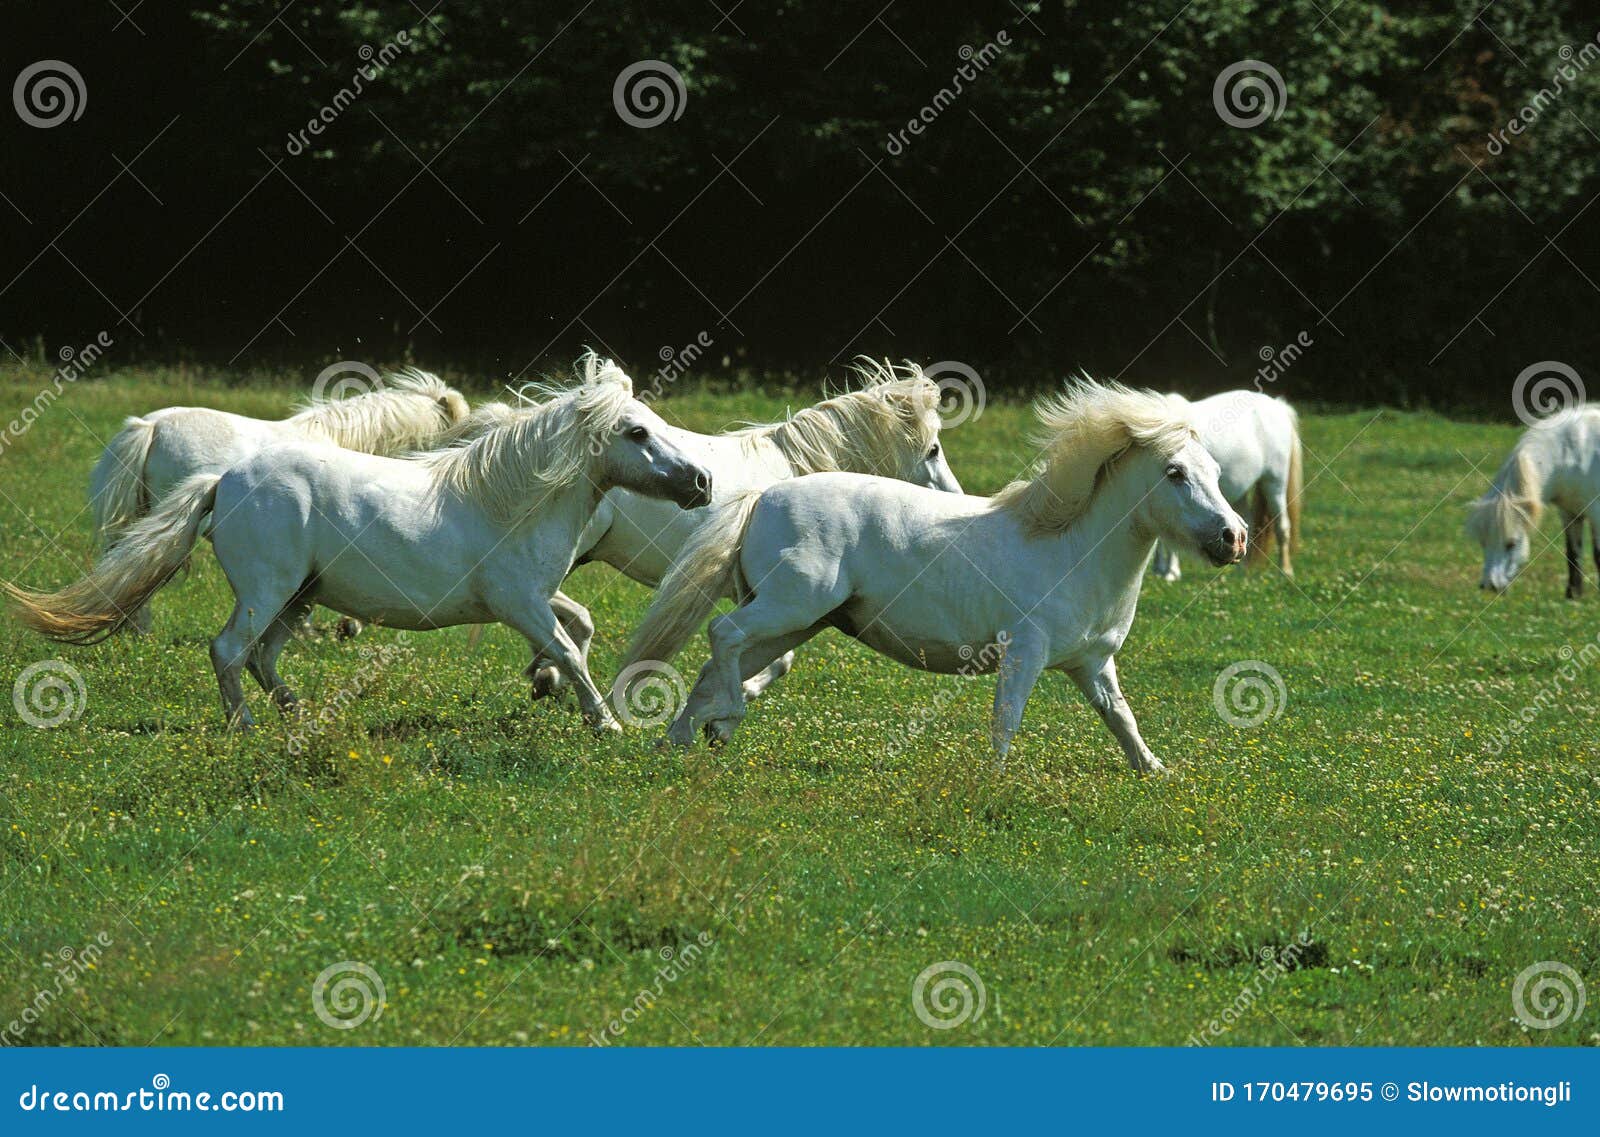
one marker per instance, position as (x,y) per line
(1080,204)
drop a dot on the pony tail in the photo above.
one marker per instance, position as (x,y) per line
(145,557)
(116,488)
(703,574)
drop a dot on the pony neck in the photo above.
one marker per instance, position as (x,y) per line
(1108,539)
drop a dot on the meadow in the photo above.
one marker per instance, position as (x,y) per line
(1374,862)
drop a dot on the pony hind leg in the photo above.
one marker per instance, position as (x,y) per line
(702,709)
(231,651)
(1165,563)
(263,661)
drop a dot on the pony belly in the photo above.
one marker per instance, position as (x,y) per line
(916,648)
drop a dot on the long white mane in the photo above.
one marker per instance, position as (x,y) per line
(1082,431)
(528,453)
(886,426)
(413,410)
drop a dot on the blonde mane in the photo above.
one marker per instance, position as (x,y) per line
(526,454)
(1513,504)
(886,426)
(1082,432)
(413,410)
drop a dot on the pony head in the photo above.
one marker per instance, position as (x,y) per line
(1503,521)
(591,435)
(911,437)
(1094,429)
(889,426)
(634,447)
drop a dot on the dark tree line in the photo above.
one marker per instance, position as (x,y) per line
(315,181)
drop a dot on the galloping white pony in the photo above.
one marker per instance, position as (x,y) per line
(1256,441)
(152,454)
(1557,461)
(1044,575)
(889,426)
(477,533)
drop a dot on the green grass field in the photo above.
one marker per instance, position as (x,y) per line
(512,880)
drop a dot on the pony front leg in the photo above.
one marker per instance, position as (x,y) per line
(549,640)
(1020,665)
(575,618)
(1098,682)
(1572,529)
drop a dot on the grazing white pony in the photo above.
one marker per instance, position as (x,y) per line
(478,533)
(1044,575)
(152,454)
(889,426)
(1256,441)
(1556,461)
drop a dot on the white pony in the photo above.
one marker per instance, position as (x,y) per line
(1044,575)
(1256,441)
(1556,461)
(888,426)
(477,533)
(152,454)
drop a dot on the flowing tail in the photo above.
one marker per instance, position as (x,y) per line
(703,574)
(147,555)
(116,489)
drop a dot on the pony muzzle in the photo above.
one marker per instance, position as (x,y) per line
(695,490)
(1229,546)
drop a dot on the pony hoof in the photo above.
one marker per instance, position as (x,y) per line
(347,628)
(604,727)
(720,732)
(546,682)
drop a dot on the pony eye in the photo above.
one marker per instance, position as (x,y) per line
(638,434)
(934,453)
(1510,546)
(1176,473)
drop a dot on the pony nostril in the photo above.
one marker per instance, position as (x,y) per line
(702,482)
